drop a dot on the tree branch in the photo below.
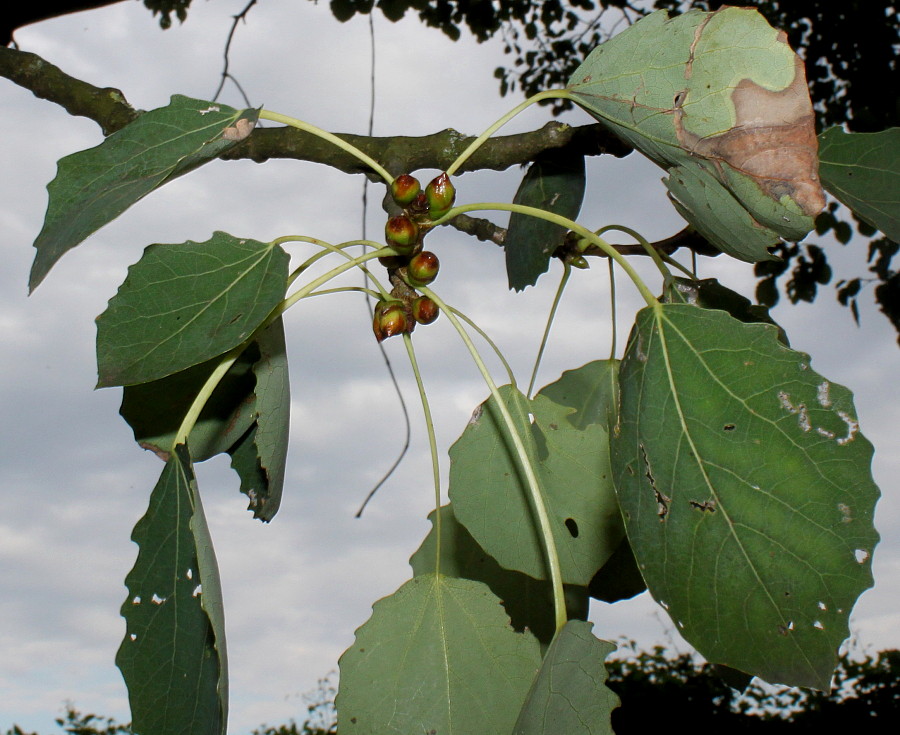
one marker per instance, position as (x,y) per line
(109,109)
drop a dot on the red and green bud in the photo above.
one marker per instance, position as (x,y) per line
(390,319)
(405,189)
(402,234)
(425,310)
(440,194)
(422,269)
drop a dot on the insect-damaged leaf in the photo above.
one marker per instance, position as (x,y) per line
(721,100)
(95,186)
(746,490)
(438,656)
(173,655)
(863,171)
(569,694)
(556,184)
(491,499)
(184,304)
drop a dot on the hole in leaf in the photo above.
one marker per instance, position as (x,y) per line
(133,636)
(707,506)
(822,605)
(197,590)
(190,573)
(136,600)
(785,629)
(157,600)
(818,624)
(572,526)
(862,556)
(728,427)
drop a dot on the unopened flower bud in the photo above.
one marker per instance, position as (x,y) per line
(402,234)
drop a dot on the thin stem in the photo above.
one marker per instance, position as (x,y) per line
(534,487)
(331,138)
(329,248)
(346,289)
(491,344)
(644,243)
(612,308)
(432,445)
(193,413)
(567,271)
(564,222)
(481,139)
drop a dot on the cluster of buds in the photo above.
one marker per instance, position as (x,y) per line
(412,266)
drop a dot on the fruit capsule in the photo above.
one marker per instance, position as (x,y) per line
(402,234)
(389,320)
(424,310)
(405,189)
(440,194)
(422,269)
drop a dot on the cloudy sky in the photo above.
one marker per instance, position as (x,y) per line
(73,483)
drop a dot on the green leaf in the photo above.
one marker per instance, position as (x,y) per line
(490,496)
(710,294)
(715,213)
(260,456)
(569,694)
(720,100)
(527,601)
(862,170)
(618,579)
(436,656)
(173,653)
(553,183)
(155,410)
(248,416)
(95,186)
(591,390)
(184,304)
(746,490)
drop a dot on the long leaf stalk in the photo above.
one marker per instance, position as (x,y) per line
(228,359)
(432,445)
(567,271)
(482,139)
(329,137)
(491,344)
(327,248)
(563,222)
(534,485)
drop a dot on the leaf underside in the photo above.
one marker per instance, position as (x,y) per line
(746,490)
(720,101)
(437,656)
(490,496)
(862,170)
(569,694)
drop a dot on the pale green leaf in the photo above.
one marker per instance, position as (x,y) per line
(569,694)
(527,601)
(721,101)
(863,171)
(184,304)
(95,186)
(436,656)
(491,499)
(746,490)
(556,184)
(591,390)
(173,655)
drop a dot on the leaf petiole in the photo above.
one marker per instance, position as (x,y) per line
(534,486)
(330,138)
